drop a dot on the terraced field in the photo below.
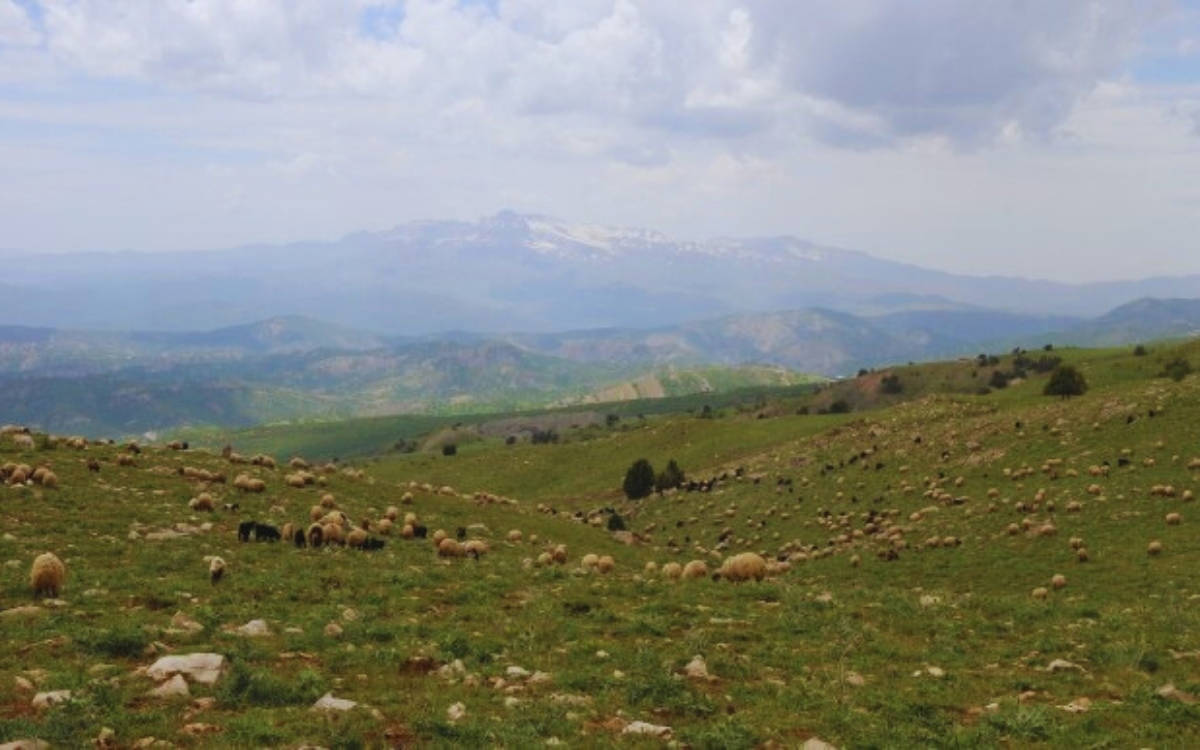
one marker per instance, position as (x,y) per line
(910,599)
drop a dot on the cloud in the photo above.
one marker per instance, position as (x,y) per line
(16,27)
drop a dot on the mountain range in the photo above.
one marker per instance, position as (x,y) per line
(514,272)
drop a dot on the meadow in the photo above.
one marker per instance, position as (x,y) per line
(906,541)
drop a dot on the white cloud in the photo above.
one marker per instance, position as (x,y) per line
(16,27)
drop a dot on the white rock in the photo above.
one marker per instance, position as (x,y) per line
(696,669)
(254,629)
(333,630)
(26,745)
(176,687)
(1061,665)
(50,698)
(328,703)
(516,673)
(186,624)
(643,727)
(935,671)
(202,668)
(456,711)
(540,678)
(815,743)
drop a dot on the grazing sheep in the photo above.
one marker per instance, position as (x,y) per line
(559,554)
(406,531)
(298,538)
(216,569)
(333,534)
(203,501)
(288,531)
(327,501)
(125,459)
(420,531)
(589,560)
(1041,592)
(23,441)
(49,479)
(672,571)
(299,463)
(316,535)
(514,536)
(1058,581)
(605,564)
(356,538)
(47,575)
(93,465)
(316,513)
(695,569)
(1174,519)
(449,548)
(544,559)
(743,567)
(650,568)
(406,498)
(1081,554)
(475,548)
(385,526)
(410,518)
(245,529)
(392,513)
(1154,548)
(438,536)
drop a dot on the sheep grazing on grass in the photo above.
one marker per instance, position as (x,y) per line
(178,445)
(299,539)
(295,480)
(406,531)
(1013,529)
(216,569)
(743,567)
(514,536)
(93,465)
(385,526)
(1174,519)
(672,571)
(410,518)
(1154,548)
(299,463)
(1058,581)
(475,548)
(125,459)
(203,501)
(356,538)
(316,535)
(695,569)
(544,559)
(450,548)
(406,498)
(420,531)
(650,568)
(288,532)
(438,536)
(1040,593)
(605,564)
(1081,554)
(245,529)
(23,441)
(392,513)
(327,501)
(316,513)
(334,534)
(47,575)
(559,554)
(247,483)
(589,560)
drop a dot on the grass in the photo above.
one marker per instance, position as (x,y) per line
(780,651)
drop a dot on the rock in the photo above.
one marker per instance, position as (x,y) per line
(825,597)
(1078,706)
(624,537)
(196,729)
(512,702)
(816,743)
(27,610)
(185,624)
(935,672)
(253,629)
(350,614)
(1062,665)
(176,687)
(202,667)
(539,678)
(855,679)
(333,630)
(106,740)
(205,703)
(456,711)
(1172,693)
(328,703)
(601,654)
(929,600)
(696,669)
(644,727)
(516,673)
(22,684)
(50,698)
(25,745)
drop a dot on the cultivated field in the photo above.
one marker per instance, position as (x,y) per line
(910,600)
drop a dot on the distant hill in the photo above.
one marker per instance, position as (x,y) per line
(515,272)
(1140,320)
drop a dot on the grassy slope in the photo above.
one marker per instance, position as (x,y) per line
(780,650)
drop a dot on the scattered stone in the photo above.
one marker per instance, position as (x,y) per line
(935,672)
(106,740)
(644,727)
(456,711)
(22,684)
(516,673)
(205,703)
(855,679)
(333,630)
(50,698)
(1172,693)
(25,745)
(539,678)
(1078,706)
(27,610)
(929,600)
(816,743)
(198,728)
(254,629)
(601,654)
(176,687)
(350,614)
(1062,665)
(184,624)
(696,669)
(328,703)
(202,668)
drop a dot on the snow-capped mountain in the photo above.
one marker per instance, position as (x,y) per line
(511,272)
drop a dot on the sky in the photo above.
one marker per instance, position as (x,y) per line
(1049,139)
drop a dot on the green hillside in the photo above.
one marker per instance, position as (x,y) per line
(910,600)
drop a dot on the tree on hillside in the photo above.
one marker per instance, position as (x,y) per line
(891,384)
(639,480)
(671,477)
(1066,381)
(1177,369)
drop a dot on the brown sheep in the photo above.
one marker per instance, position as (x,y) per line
(385,526)
(333,534)
(695,569)
(672,571)
(743,567)
(605,564)
(316,535)
(47,575)
(356,539)
(450,548)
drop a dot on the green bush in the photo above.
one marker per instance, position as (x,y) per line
(639,480)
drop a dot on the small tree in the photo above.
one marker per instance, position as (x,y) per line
(1066,381)
(639,480)
(891,384)
(999,379)
(841,406)
(671,477)
(616,523)
(1177,369)
(449,449)
(1139,350)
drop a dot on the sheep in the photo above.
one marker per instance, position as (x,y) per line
(420,531)
(49,480)
(316,535)
(410,519)
(559,554)
(438,536)
(650,568)
(385,526)
(203,501)
(1058,581)
(178,445)
(605,564)
(406,531)
(406,498)
(23,442)
(589,560)
(47,575)
(1154,548)
(1174,519)
(1040,593)
(514,536)
(216,569)
(672,570)
(245,529)
(449,548)
(19,475)
(743,567)
(475,548)
(299,463)
(695,569)
(316,513)
(299,539)
(544,559)
(126,459)
(327,501)
(333,534)
(392,513)
(93,465)
(288,531)
(356,538)
(1081,554)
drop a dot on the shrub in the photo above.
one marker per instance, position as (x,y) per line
(999,379)
(1140,350)
(1066,381)
(1177,369)
(616,523)
(540,437)
(671,477)
(841,406)
(891,384)
(449,449)
(639,480)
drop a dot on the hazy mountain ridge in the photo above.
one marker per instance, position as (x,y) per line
(512,272)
